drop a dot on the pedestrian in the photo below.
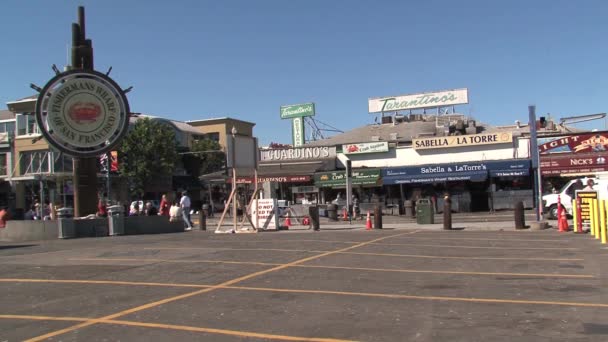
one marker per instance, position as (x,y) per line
(4,216)
(164,206)
(356,210)
(589,186)
(175,212)
(150,210)
(134,210)
(184,204)
(102,209)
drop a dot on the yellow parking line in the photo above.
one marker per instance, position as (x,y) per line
(97,282)
(550,275)
(478,247)
(373,254)
(187,295)
(236,249)
(45,318)
(436,298)
(484,239)
(543,275)
(460,257)
(343,293)
(247,334)
(177,261)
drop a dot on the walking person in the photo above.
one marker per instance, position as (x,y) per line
(184,203)
(164,206)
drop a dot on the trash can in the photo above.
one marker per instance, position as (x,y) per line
(332,212)
(65,223)
(116,221)
(409,208)
(424,211)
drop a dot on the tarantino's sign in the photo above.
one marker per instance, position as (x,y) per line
(413,101)
(82,113)
(576,143)
(462,140)
(302,153)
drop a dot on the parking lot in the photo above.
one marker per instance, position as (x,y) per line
(380,285)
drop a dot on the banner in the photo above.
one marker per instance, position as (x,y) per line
(574,143)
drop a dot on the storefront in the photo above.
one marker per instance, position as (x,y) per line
(473,186)
(288,173)
(366,185)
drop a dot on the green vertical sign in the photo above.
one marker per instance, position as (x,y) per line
(298,131)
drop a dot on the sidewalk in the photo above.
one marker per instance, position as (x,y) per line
(498,221)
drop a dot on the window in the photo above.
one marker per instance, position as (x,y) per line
(34,162)
(215,136)
(26,124)
(7,127)
(3,165)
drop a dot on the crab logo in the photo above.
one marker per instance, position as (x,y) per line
(88,112)
(352,148)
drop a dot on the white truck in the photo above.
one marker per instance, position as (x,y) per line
(566,195)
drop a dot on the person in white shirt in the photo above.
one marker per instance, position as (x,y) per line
(184,203)
(175,212)
(590,184)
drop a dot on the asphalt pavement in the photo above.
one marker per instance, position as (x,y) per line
(394,284)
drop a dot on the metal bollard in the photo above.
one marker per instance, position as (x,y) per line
(313,212)
(377,218)
(202,220)
(447,212)
(520,219)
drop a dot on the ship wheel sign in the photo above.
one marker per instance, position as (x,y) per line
(82,113)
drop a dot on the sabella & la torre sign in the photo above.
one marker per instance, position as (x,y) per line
(418,101)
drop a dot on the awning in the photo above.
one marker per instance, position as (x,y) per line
(295,168)
(509,168)
(290,172)
(453,172)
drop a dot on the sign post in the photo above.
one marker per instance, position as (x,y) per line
(538,199)
(84,114)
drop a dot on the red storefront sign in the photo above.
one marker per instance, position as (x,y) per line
(573,163)
(574,143)
(278,179)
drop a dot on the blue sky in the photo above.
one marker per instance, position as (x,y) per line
(191,60)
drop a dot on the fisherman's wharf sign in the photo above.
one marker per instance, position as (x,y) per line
(462,140)
(294,154)
(82,113)
(414,101)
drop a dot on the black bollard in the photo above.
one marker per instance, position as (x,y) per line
(202,220)
(313,212)
(447,212)
(378,218)
(520,220)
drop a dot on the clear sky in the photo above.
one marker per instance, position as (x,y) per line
(191,60)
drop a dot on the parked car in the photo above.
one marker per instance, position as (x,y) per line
(566,195)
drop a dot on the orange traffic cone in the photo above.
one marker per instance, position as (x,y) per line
(287,221)
(344,215)
(368,223)
(562,223)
